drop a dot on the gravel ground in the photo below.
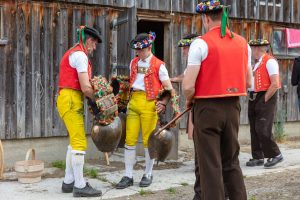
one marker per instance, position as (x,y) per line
(276,186)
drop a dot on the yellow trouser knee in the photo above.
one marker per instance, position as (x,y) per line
(141,114)
(70,108)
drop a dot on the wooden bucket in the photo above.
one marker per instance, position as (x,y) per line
(29,171)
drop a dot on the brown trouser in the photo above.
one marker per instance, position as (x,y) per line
(197,188)
(261,116)
(216,125)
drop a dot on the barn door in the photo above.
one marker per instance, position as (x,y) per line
(123,31)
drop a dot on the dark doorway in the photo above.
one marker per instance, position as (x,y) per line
(144,26)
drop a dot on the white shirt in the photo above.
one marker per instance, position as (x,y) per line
(272,67)
(79,61)
(139,81)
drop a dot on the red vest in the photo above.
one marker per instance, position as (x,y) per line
(223,73)
(262,80)
(68,76)
(151,79)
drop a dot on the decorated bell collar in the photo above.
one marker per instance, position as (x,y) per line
(259,42)
(187,41)
(143,40)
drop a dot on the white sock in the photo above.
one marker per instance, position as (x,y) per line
(129,155)
(77,164)
(69,176)
(149,163)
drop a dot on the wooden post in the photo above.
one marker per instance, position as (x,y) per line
(1,160)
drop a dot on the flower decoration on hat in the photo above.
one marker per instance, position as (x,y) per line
(207,6)
(185,42)
(259,42)
(145,42)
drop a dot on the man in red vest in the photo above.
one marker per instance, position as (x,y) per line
(148,75)
(185,44)
(74,85)
(261,106)
(217,74)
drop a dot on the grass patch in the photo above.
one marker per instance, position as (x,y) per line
(92,173)
(252,198)
(171,190)
(279,132)
(244,176)
(184,184)
(59,164)
(143,192)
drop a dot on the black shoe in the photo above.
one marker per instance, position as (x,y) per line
(67,188)
(255,162)
(125,183)
(273,161)
(87,191)
(146,181)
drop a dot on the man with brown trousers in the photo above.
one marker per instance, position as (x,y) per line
(217,74)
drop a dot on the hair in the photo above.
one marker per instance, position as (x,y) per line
(215,15)
(87,36)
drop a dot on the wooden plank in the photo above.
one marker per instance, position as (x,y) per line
(10,73)
(36,75)
(52,87)
(286,9)
(46,66)
(175,5)
(274,10)
(21,73)
(60,45)
(3,64)
(76,22)
(292,97)
(143,4)
(154,5)
(298,11)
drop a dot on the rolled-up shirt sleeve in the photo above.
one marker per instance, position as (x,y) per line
(249,55)
(272,67)
(163,73)
(197,53)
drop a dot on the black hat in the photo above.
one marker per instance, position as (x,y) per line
(142,40)
(206,6)
(93,32)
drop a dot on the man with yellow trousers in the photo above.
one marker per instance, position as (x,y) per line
(148,75)
(74,85)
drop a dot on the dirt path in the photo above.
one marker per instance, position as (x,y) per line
(278,186)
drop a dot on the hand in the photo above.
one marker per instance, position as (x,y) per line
(160,107)
(93,106)
(189,103)
(175,80)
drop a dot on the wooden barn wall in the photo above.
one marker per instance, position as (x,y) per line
(38,34)
(269,10)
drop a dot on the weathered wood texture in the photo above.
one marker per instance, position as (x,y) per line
(39,32)
(270,10)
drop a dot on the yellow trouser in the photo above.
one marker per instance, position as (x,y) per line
(141,114)
(70,108)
